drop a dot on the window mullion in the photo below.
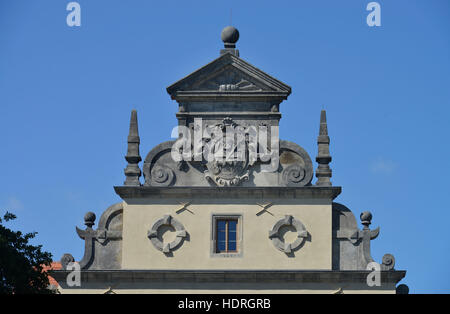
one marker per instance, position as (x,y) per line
(226,236)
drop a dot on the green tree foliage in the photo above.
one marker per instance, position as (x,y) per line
(21,264)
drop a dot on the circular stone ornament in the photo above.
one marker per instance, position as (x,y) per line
(162,176)
(167,220)
(293,175)
(276,238)
(230,35)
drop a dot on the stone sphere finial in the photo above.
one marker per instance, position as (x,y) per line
(366,218)
(66,259)
(402,289)
(89,219)
(230,35)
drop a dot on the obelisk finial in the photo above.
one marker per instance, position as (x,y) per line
(132,171)
(323,172)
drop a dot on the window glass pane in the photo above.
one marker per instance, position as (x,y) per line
(232,225)
(221,225)
(221,246)
(221,236)
(232,246)
(232,236)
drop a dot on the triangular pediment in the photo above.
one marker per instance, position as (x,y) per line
(229,78)
(229,74)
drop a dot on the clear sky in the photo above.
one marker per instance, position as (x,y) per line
(66,96)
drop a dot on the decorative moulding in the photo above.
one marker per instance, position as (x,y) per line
(153,235)
(276,237)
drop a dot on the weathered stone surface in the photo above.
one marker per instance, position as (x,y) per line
(295,170)
(103,247)
(153,234)
(235,276)
(323,172)
(351,246)
(280,243)
(229,192)
(231,69)
(132,171)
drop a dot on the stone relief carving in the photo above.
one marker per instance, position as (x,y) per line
(228,79)
(242,85)
(159,174)
(162,176)
(276,237)
(221,170)
(294,168)
(293,174)
(154,236)
(296,164)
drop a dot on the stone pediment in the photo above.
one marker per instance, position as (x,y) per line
(229,75)
(229,79)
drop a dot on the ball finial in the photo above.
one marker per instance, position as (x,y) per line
(366,218)
(230,35)
(89,219)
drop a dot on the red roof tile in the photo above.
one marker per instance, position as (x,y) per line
(53,266)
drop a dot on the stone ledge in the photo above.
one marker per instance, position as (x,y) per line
(127,192)
(229,96)
(219,114)
(229,276)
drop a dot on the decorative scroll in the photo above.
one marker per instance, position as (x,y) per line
(293,174)
(162,176)
(388,262)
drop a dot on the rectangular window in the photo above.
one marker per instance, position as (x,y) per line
(226,236)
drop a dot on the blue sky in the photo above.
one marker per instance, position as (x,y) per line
(66,95)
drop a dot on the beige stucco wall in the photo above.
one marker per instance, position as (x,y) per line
(258,251)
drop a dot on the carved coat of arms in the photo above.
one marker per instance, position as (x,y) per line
(228,154)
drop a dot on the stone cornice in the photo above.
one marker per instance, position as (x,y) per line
(315,192)
(187,96)
(237,276)
(232,114)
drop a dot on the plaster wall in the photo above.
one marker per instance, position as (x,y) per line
(257,249)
